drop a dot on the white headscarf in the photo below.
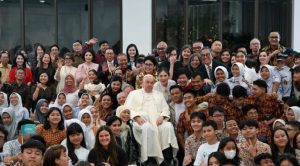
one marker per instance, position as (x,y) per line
(12,127)
(242,71)
(5,102)
(223,69)
(86,111)
(271,72)
(296,111)
(20,111)
(56,104)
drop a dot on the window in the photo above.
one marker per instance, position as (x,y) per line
(39,22)
(10,24)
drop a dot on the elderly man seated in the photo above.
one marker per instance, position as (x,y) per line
(151,128)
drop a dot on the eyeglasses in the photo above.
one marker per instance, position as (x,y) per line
(205,55)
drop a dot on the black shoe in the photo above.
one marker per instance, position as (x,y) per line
(150,162)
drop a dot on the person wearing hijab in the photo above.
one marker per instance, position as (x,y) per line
(293,114)
(3,101)
(272,78)
(67,111)
(84,101)
(41,110)
(59,101)
(278,123)
(129,144)
(9,123)
(15,102)
(238,78)
(86,117)
(70,90)
(221,75)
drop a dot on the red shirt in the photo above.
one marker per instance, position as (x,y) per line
(12,75)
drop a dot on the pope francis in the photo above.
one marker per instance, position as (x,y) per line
(151,127)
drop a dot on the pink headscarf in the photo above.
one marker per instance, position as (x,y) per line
(69,88)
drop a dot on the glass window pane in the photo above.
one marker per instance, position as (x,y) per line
(10,24)
(39,22)
(107,22)
(238,23)
(72,22)
(170,22)
(203,20)
(274,15)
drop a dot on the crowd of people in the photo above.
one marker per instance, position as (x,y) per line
(197,106)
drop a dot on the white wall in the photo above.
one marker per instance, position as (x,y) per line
(296,25)
(137,24)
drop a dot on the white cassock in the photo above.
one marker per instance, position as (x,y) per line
(152,138)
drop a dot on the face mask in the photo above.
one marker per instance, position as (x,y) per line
(230,154)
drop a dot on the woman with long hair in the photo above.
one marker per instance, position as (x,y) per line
(20,62)
(45,66)
(53,130)
(106,151)
(84,68)
(194,63)
(230,149)
(75,144)
(113,89)
(280,144)
(63,71)
(56,155)
(132,53)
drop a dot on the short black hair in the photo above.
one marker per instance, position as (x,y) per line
(214,109)
(197,73)
(33,143)
(249,123)
(102,42)
(24,122)
(223,89)
(294,123)
(211,123)
(199,115)
(246,108)
(262,156)
(288,157)
(190,91)
(239,91)
(39,138)
(110,120)
(297,69)
(78,41)
(170,49)
(228,162)
(54,45)
(152,59)
(176,87)
(261,84)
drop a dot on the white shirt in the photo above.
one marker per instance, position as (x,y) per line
(204,151)
(207,69)
(179,108)
(250,74)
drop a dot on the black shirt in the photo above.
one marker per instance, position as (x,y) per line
(121,156)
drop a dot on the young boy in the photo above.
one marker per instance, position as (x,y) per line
(264,131)
(251,146)
(193,142)
(217,114)
(210,134)
(264,159)
(32,152)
